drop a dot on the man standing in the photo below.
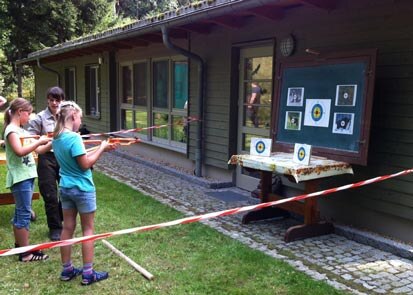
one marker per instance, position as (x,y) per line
(47,167)
(253,100)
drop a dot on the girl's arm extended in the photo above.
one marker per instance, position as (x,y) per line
(44,148)
(23,150)
(87,160)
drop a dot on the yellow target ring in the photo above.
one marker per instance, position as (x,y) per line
(260,147)
(301,154)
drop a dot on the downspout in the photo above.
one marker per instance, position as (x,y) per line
(201,74)
(44,68)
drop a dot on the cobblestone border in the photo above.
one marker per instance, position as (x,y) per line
(199,181)
(374,240)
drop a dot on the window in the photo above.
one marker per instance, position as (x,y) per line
(127,85)
(70,84)
(134,97)
(158,98)
(160,83)
(170,93)
(180,84)
(140,84)
(92,74)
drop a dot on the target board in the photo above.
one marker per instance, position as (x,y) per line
(325,102)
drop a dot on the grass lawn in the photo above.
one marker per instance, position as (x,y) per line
(185,259)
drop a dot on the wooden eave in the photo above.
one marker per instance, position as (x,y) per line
(229,21)
(233,19)
(199,28)
(152,38)
(323,4)
(269,12)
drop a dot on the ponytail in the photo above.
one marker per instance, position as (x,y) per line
(65,113)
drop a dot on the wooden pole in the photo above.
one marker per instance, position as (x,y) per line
(136,266)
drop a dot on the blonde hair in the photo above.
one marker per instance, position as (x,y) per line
(64,114)
(16,105)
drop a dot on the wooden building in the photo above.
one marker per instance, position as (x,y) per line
(207,54)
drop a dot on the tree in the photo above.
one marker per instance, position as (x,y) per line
(31,25)
(138,9)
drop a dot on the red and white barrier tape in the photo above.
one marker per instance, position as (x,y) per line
(186,121)
(197,218)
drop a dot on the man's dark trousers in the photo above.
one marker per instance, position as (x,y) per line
(48,173)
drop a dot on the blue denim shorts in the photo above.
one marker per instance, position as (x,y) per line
(74,198)
(22,193)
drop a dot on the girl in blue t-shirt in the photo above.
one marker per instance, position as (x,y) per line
(21,171)
(77,190)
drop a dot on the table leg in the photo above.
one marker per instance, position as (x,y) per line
(269,212)
(312,227)
(303,231)
(310,205)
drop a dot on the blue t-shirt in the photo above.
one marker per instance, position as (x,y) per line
(67,146)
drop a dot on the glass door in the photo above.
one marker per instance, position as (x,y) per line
(254,105)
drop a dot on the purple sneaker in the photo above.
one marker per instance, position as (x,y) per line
(68,275)
(96,276)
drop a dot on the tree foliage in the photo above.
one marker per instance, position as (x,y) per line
(34,24)
(30,25)
(138,9)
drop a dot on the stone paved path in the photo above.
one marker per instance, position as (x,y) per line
(342,263)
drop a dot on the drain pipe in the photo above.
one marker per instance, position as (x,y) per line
(201,75)
(44,68)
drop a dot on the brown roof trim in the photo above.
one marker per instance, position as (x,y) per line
(183,16)
(199,17)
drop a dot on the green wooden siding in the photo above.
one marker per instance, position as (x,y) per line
(386,25)
(46,79)
(217,99)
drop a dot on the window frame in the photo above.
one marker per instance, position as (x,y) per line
(170,110)
(88,98)
(70,88)
(149,107)
(132,107)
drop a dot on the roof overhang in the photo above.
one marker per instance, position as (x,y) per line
(201,18)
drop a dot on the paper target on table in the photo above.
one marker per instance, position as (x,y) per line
(260,147)
(317,112)
(302,153)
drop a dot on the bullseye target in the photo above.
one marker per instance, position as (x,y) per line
(260,147)
(301,154)
(317,112)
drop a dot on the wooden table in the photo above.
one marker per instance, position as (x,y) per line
(7,198)
(311,175)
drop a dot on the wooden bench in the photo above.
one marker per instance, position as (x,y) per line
(7,198)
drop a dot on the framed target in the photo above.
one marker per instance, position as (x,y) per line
(302,153)
(260,146)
